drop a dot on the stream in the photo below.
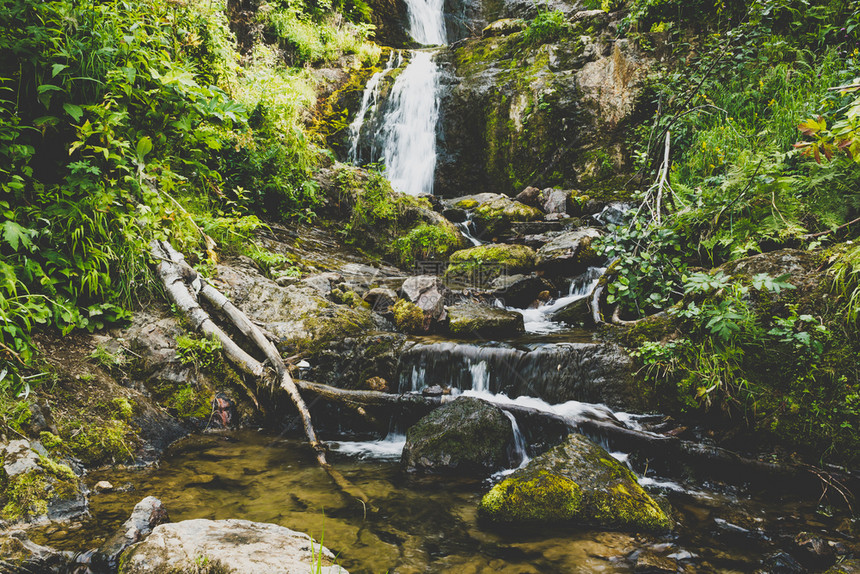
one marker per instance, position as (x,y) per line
(429,525)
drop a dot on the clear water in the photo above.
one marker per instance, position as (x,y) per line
(427,21)
(540,321)
(427,525)
(369,101)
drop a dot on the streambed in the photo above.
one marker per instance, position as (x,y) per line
(430,524)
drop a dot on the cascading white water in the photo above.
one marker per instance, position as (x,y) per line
(427,21)
(368,102)
(480,376)
(519,440)
(539,320)
(409,126)
(467,228)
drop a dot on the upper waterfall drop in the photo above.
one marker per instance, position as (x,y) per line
(427,21)
(409,127)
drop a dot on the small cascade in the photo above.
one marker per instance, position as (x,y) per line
(427,21)
(369,103)
(409,126)
(554,372)
(519,442)
(540,320)
(467,228)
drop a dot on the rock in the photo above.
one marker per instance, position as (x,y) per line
(554,201)
(469,320)
(529,196)
(520,291)
(612,214)
(377,384)
(103,486)
(494,217)
(503,27)
(228,547)
(813,550)
(428,293)
(37,487)
(455,214)
(19,555)
(577,312)
(322,282)
(477,266)
(380,299)
(147,514)
(467,436)
(850,566)
(782,563)
(524,228)
(651,563)
(434,391)
(346,362)
(570,253)
(577,481)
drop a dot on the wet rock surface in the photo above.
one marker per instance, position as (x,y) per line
(467,437)
(577,481)
(228,547)
(473,320)
(570,253)
(147,514)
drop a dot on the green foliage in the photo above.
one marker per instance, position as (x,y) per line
(548,26)
(202,354)
(98,442)
(425,242)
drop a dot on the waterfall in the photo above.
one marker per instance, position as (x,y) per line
(519,441)
(409,126)
(427,21)
(368,102)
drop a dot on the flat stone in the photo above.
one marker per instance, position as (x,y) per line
(229,547)
(19,458)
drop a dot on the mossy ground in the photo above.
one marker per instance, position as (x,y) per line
(481,264)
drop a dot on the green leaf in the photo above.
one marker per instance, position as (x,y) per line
(75,111)
(56,69)
(16,235)
(144,146)
(48,88)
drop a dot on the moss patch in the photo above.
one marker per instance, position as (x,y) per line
(546,497)
(480,265)
(408,316)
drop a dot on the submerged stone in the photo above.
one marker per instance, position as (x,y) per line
(577,481)
(467,436)
(227,547)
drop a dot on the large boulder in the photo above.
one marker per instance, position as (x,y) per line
(467,436)
(569,253)
(494,217)
(470,320)
(228,547)
(579,482)
(477,266)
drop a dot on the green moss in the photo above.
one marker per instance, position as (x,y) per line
(50,441)
(467,204)
(426,242)
(99,442)
(496,215)
(190,402)
(546,497)
(30,493)
(123,408)
(408,316)
(481,264)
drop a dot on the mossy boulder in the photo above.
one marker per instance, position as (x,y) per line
(569,253)
(478,266)
(33,485)
(577,481)
(494,217)
(467,437)
(470,320)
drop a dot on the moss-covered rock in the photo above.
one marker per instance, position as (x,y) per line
(495,217)
(470,320)
(577,481)
(467,436)
(408,317)
(569,253)
(478,266)
(33,485)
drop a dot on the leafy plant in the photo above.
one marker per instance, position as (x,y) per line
(548,26)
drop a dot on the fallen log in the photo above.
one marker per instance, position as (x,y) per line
(669,450)
(179,280)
